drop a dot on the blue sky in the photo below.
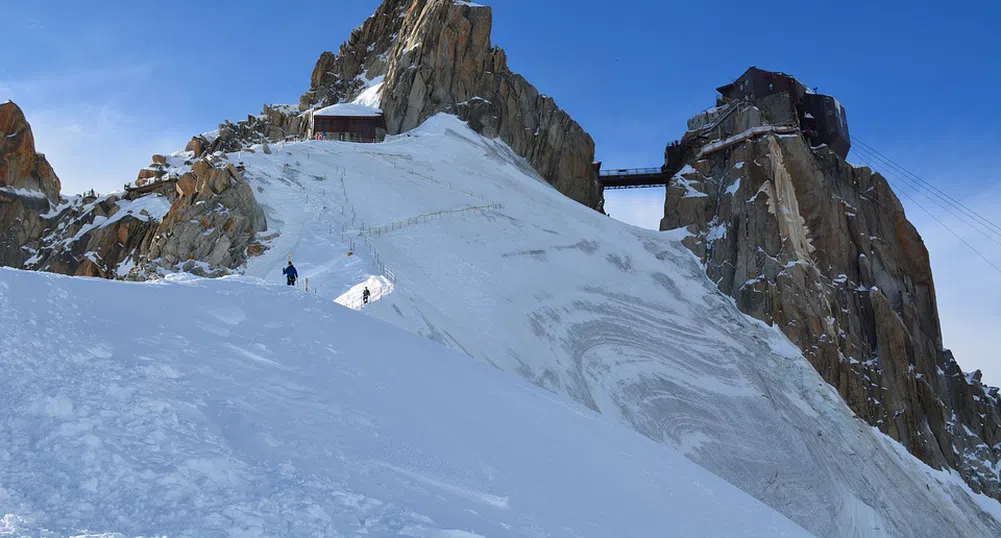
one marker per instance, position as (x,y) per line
(106,84)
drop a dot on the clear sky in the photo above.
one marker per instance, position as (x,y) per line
(107,84)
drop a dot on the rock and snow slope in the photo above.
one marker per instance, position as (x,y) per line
(230,408)
(620,319)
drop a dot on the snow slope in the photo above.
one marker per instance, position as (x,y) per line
(231,408)
(492,262)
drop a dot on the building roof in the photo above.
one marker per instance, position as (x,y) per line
(350,110)
(726,87)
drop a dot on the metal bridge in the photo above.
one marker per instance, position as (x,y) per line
(632,178)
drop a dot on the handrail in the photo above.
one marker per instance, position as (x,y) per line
(630,172)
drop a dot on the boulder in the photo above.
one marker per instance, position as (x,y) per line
(185,185)
(212,222)
(196,146)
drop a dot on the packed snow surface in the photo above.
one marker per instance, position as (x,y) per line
(349,110)
(231,408)
(494,263)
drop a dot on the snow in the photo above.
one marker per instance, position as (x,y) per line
(717,231)
(280,408)
(734,187)
(681,179)
(371,97)
(740,137)
(149,207)
(236,408)
(350,109)
(146,208)
(378,287)
(23,193)
(619,319)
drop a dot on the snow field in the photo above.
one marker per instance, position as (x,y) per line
(236,408)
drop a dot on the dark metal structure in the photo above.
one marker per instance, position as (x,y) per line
(824,121)
(757,83)
(820,117)
(632,178)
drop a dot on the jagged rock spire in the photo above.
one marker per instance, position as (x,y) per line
(20,166)
(436,56)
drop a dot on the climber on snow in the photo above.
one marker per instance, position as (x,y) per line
(291,274)
(365,295)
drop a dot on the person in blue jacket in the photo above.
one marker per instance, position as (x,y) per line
(290,273)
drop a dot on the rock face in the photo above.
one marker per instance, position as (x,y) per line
(202,221)
(822,249)
(20,166)
(275,123)
(28,186)
(210,225)
(434,56)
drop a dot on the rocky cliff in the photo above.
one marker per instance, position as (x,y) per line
(805,241)
(28,186)
(421,57)
(202,220)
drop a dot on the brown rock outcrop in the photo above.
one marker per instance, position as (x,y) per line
(137,234)
(436,56)
(805,241)
(210,225)
(28,187)
(20,166)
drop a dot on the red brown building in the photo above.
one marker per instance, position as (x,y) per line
(349,123)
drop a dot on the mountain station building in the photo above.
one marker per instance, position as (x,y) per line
(348,122)
(786,100)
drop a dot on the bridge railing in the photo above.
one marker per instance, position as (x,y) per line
(630,172)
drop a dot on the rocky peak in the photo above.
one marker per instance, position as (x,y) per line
(20,166)
(432,56)
(361,59)
(822,249)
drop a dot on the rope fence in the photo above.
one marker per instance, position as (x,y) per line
(420,219)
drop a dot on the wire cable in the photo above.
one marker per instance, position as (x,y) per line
(995,237)
(917,180)
(937,219)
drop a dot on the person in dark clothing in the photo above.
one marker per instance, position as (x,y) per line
(291,274)
(365,295)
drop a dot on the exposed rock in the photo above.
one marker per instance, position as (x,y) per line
(28,187)
(210,224)
(436,56)
(138,234)
(803,240)
(20,166)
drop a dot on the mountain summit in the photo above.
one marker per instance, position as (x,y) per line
(421,57)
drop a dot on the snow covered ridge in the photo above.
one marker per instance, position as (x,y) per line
(236,408)
(619,319)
